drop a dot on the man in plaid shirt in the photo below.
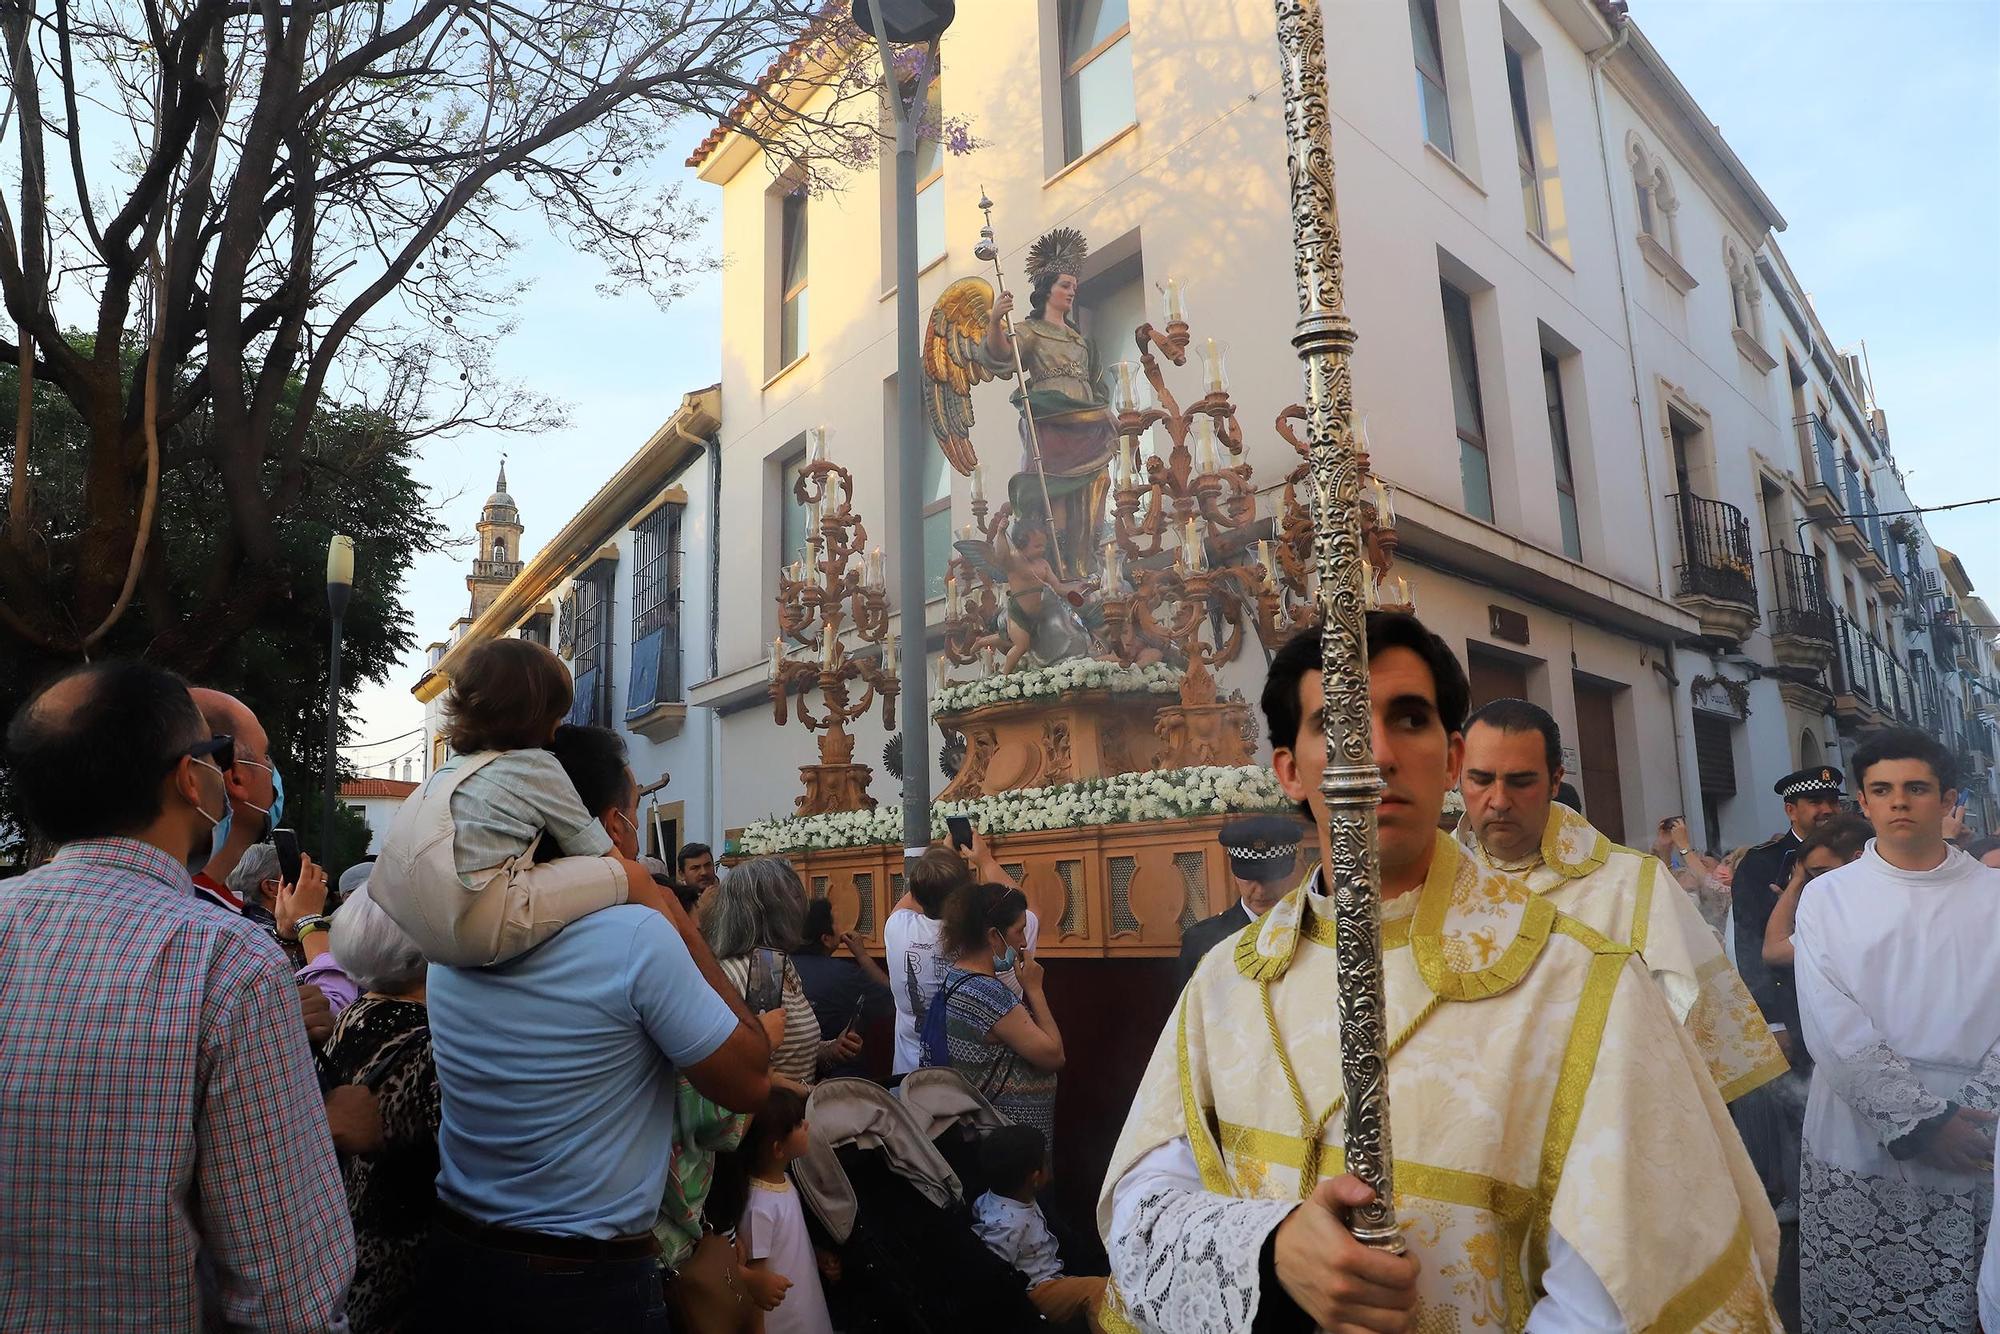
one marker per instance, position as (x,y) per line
(165,1162)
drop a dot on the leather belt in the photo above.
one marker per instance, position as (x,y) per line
(547,1245)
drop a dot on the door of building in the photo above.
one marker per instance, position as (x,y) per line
(1494,677)
(1597,757)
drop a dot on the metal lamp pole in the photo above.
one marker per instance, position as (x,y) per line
(909,21)
(339,585)
(1351,782)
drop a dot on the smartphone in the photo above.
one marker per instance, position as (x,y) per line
(286,841)
(960,829)
(854,1020)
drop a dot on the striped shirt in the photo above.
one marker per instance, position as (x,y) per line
(164,1158)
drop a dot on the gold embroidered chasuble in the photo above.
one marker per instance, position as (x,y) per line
(1628,897)
(1537,1084)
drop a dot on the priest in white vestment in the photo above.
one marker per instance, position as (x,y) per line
(1563,1161)
(1898,959)
(1514,825)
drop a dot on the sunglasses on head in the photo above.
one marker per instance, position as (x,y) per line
(219,750)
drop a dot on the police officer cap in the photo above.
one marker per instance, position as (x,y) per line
(1819,780)
(1261,847)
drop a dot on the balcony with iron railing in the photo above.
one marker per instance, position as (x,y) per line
(1802,631)
(496,569)
(1716,578)
(1822,473)
(1854,698)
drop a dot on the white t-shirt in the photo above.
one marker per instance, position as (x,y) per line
(778,1237)
(916,971)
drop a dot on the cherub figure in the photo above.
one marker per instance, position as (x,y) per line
(1039,617)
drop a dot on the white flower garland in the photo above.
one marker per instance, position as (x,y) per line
(1169,794)
(1059,679)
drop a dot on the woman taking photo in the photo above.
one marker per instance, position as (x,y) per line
(1007,1046)
(753,921)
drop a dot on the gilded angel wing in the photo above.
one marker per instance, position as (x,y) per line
(952,367)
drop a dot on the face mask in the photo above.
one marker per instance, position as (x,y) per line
(1001,962)
(274,814)
(218,829)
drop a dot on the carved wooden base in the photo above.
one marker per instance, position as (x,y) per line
(835,787)
(1038,743)
(1192,734)
(1100,891)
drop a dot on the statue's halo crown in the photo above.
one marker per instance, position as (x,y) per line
(1059,251)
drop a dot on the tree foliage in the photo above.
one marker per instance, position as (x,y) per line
(287,204)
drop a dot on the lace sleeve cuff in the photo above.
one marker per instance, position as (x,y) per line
(1880,1086)
(1188,1263)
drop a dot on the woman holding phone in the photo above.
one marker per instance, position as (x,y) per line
(1007,1046)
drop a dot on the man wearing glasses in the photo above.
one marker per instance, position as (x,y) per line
(140,1031)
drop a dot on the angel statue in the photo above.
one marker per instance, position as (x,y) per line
(1040,619)
(1068,432)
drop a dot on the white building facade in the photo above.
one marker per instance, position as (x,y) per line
(1637,483)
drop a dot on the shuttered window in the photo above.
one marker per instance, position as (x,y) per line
(1715,755)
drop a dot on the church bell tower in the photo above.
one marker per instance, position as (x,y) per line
(499,558)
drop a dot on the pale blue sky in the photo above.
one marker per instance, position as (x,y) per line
(1874,125)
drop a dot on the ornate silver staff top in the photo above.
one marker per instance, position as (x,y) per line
(1350,782)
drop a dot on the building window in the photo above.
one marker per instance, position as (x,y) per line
(1654,191)
(656,604)
(590,627)
(536,629)
(792,518)
(1475,473)
(792,278)
(1097,73)
(937,522)
(930,179)
(1552,390)
(1431,97)
(1524,146)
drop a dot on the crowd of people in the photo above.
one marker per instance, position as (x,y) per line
(511,1075)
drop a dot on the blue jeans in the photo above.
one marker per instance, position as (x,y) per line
(486,1290)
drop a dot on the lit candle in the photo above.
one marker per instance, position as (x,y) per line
(1370,599)
(777,654)
(1176,301)
(875,567)
(1385,504)
(967,533)
(1216,374)
(1110,566)
(978,484)
(950,595)
(1405,595)
(832,645)
(1126,462)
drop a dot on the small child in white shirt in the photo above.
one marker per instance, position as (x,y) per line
(458,870)
(1007,1218)
(781,1268)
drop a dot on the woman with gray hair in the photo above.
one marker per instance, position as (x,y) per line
(755,918)
(383,1042)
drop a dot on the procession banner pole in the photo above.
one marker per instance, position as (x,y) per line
(1027,414)
(1350,781)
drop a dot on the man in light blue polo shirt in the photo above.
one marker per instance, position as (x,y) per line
(556,1071)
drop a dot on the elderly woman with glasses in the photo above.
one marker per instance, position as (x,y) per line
(383,1043)
(753,921)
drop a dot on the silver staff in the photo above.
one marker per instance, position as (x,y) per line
(1350,782)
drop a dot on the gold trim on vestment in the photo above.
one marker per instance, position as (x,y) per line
(1512,1206)
(1642,909)
(1579,1063)
(1712,1288)
(1427,936)
(1601,847)
(1207,1158)
(1756,1079)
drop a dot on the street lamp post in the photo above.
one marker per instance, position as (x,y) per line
(339,584)
(909,21)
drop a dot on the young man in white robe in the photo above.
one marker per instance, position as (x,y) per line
(1898,965)
(1563,1159)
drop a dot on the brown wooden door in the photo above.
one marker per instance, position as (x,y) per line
(1597,757)
(1493,677)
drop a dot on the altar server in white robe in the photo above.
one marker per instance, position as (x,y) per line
(1898,958)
